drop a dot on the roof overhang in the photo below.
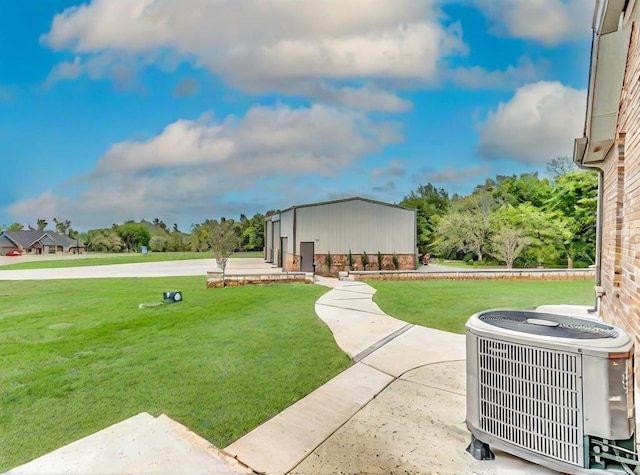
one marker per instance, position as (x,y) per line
(608,61)
(606,17)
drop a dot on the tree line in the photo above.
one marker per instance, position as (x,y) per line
(131,236)
(522,221)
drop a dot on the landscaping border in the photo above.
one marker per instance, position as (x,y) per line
(489,274)
(214,279)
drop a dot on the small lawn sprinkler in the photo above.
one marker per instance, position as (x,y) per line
(167,297)
(172,297)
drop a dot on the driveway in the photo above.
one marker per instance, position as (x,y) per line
(191,267)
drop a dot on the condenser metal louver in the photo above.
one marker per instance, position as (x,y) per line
(553,389)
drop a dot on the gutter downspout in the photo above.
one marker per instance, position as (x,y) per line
(599,228)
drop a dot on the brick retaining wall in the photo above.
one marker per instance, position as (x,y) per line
(214,279)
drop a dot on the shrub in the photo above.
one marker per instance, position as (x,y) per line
(379,261)
(396,261)
(327,262)
(350,260)
(365,260)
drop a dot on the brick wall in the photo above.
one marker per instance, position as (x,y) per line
(214,279)
(620,303)
(340,262)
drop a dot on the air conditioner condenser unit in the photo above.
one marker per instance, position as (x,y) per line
(556,390)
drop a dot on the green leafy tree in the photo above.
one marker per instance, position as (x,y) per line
(15,227)
(103,240)
(158,244)
(507,244)
(41,224)
(467,227)
(575,197)
(134,235)
(178,241)
(430,203)
(526,188)
(547,231)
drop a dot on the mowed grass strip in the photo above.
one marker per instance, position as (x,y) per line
(84,260)
(79,355)
(446,305)
(109,259)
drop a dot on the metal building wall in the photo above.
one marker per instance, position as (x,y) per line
(276,241)
(358,226)
(286,229)
(268,243)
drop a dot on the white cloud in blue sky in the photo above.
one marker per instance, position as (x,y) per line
(309,100)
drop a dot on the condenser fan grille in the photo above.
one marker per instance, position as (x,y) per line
(531,397)
(545,324)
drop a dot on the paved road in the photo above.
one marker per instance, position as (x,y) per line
(143,269)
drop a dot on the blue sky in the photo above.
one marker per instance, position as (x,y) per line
(192,109)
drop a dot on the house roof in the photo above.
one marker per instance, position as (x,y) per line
(27,238)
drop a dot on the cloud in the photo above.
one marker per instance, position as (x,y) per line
(395,169)
(122,71)
(65,70)
(539,123)
(191,165)
(273,40)
(309,48)
(329,51)
(366,98)
(454,175)
(477,77)
(185,88)
(549,22)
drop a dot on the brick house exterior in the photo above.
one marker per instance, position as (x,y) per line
(611,145)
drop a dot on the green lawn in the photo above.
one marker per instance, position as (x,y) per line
(447,305)
(107,259)
(79,355)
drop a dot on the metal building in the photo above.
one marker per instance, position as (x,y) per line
(304,237)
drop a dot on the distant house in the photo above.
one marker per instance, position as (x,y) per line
(39,242)
(611,146)
(302,238)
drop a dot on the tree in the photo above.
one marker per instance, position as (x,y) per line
(547,231)
(575,197)
(507,245)
(559,166)
(15,227)
(467,227)
(104,240)
(224,241)
(62,226)
(430,203)
(41,224)
(134,235)
(200,238)
(158,244)
(526,188)
(177,242)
